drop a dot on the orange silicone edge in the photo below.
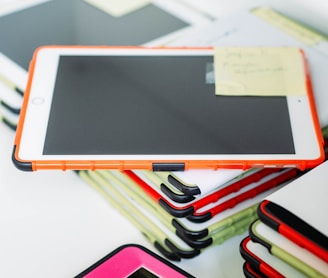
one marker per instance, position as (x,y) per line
(315,117)
(148,165)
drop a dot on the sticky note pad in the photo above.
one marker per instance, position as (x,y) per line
(259,71)
(118,7)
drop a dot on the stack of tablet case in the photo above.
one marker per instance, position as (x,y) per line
(186,186)
(185,236)
(221,198)
(290,238)
(13,80)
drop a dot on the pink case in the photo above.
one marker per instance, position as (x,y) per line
(133,260)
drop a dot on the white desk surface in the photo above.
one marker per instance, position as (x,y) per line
(54,225)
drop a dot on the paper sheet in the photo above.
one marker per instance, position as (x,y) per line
(299,32)
(118,7)
(10,6)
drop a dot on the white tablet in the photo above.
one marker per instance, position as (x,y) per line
(156,109)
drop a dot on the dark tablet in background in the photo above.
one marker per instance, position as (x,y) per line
(76,22)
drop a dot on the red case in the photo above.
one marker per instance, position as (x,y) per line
(310,238)
(191,210)
(257,263)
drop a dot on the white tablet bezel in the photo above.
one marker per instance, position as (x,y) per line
(39,98)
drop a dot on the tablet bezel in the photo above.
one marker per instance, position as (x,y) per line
(37,103)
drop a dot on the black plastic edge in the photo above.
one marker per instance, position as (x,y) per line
(262,214)
(10,108)
(179,198)
(169,255)
(250,272)
(98,263)
(188,190)
(23,166)
(176,212)
(9,124)
(197,244)
(296,223)
(200,218)
(246,270)
(19,91)
(168,167)
(247,256)
(188,233)
(186,254)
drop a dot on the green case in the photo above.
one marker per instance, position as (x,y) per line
(281,248)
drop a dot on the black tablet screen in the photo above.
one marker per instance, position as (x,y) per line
(158,105)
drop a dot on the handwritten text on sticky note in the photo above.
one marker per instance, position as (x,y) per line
(118,7)
(260,71)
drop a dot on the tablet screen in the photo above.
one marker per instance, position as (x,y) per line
(158,105)
(142,273)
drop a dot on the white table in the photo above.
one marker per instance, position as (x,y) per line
(54,225)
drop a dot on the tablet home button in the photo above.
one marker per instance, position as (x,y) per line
(38,100)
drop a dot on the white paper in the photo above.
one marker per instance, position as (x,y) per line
(10,6)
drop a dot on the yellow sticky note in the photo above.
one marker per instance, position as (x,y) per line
(118,7)
(259,71)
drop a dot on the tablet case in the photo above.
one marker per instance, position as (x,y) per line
(164,243)
(192,230)
(13,80)
(176,190)
(8,118)
(192,183)
(195,213)
(284,249)
(141,209)
(164,165)
(133,260)
(162,229)
(263,262)
(296,211)
(250,272)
